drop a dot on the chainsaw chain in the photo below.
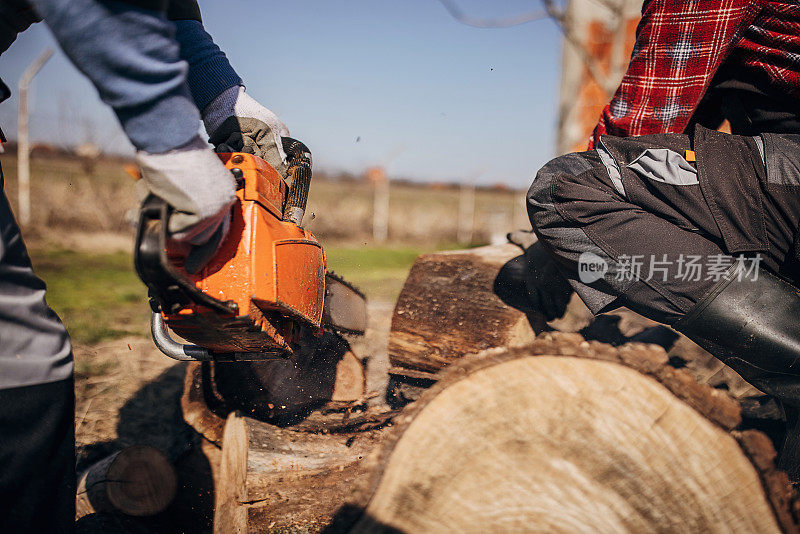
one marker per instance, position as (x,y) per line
(354,289)
(344,282)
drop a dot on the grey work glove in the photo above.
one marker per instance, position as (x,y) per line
(237,123)
(200,190)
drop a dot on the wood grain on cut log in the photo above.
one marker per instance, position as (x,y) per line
(284,479)
(229,516)
(570,436)
(351,380)
(447,308)
(137,481)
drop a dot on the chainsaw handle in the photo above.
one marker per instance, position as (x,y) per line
(299,169)
(169,290)
(192,353)
(173,349)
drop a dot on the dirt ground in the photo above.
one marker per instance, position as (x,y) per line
(127,392)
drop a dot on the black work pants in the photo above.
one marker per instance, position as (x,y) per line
(37,458)
(37,400)
(635,224)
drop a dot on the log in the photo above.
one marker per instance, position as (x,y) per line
(195,407)
(351,381)
(448,308)
(137,481)
(296,476)
(565,435)
(282,480)
(229,516)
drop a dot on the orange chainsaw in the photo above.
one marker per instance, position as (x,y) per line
(266,286)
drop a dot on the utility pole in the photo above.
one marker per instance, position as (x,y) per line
(380,203)
(23,142)
(466,213)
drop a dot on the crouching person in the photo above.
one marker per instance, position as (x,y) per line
(699,232)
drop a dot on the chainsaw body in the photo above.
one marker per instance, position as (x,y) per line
(272,270)
(263,288)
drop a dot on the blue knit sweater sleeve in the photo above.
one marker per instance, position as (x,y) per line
(132,58)
(210,73)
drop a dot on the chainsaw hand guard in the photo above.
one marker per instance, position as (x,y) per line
(169,291)
(299,170)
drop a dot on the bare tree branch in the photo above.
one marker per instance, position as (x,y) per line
(606,80)
(478,22)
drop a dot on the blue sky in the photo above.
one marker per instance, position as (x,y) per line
(400,84)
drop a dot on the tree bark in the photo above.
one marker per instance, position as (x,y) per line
(448,308)
(137,481)
(274,479)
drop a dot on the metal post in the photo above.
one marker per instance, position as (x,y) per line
(23,143)
(466,213)
(380,212)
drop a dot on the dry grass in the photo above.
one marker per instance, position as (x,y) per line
(65,197)
(421,215)
(68,199)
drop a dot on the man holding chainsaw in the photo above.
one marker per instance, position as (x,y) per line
(686,225)
(161,73)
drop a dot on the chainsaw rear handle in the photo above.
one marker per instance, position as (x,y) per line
(169,290)
(298,158)
(193,353)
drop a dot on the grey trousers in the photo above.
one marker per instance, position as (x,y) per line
(34,345)
(635,223)
(37,445)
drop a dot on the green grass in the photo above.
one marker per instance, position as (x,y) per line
(378,272)
(99,296)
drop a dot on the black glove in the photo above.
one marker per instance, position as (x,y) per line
(533,284)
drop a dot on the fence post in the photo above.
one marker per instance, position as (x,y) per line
(23,142)
(466,213)
(380,204)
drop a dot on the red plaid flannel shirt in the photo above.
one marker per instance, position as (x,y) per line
(680,44)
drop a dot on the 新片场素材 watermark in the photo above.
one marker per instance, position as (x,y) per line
(685,267)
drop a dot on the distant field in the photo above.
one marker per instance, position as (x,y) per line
(66,196)
(99,297)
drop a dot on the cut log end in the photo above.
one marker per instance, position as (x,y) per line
(137,481)
(571,439)
(229,514)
